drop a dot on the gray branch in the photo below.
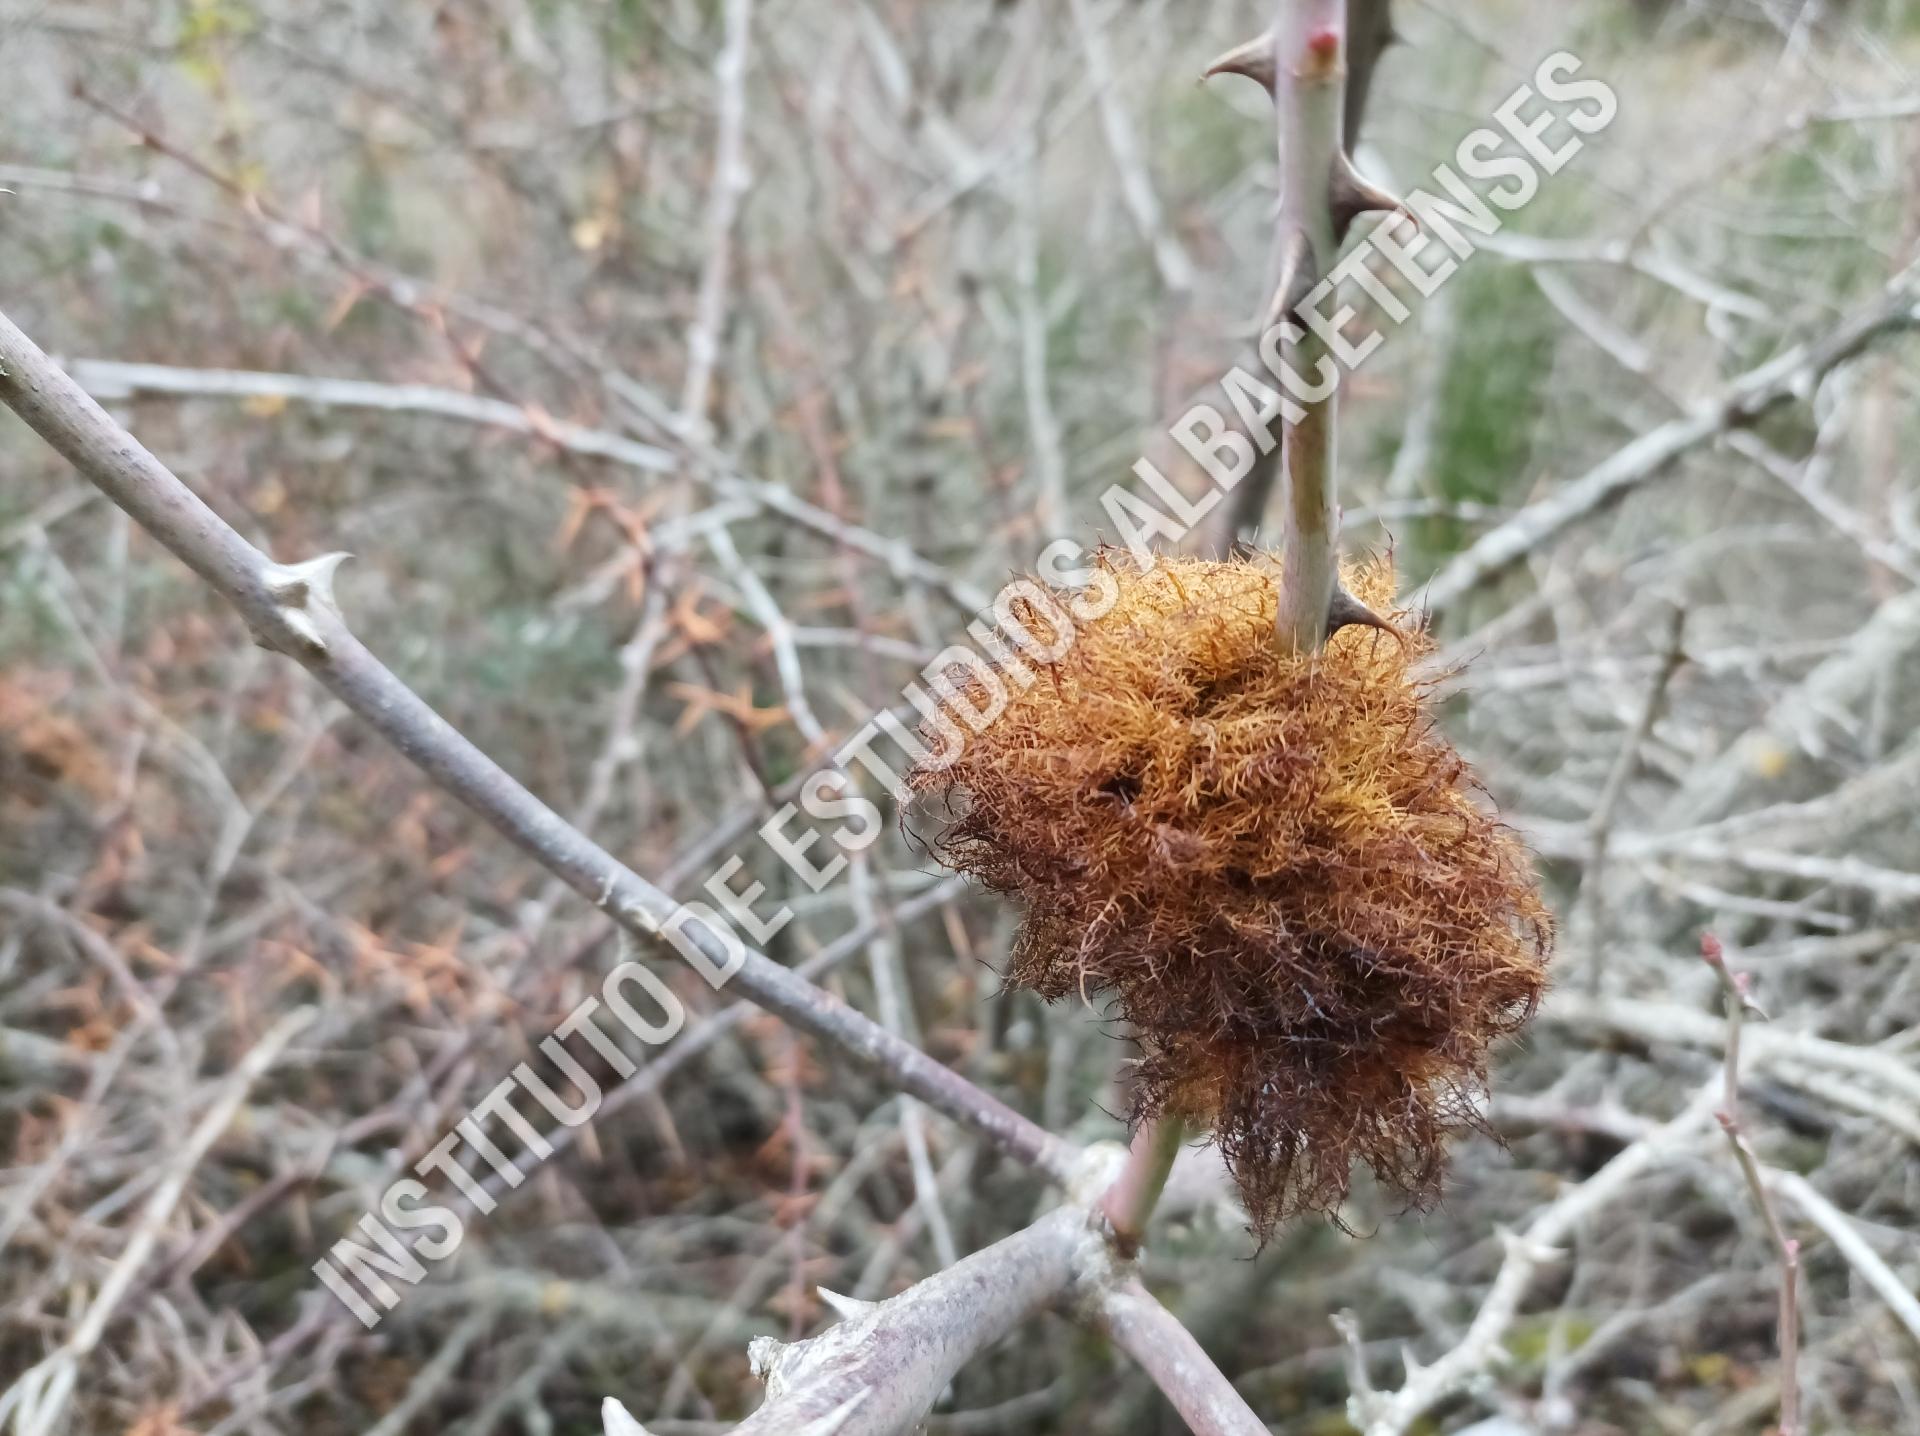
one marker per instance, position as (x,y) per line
(290,609)
(881,1369)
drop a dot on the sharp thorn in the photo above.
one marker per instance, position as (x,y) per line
(291,584)
(1346,611)
(847,1308)
(1298,275)
(617,1421)
(1253,59)
(1354,195)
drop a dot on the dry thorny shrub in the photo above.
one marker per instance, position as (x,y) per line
(1275,865)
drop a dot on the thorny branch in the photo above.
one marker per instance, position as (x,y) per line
(1319,108)
(290,609)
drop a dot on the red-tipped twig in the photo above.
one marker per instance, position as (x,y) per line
(1739,1003)
(1304,62)
(1317,61)
(1321,194)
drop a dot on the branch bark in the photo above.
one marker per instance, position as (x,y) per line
(1310,96)
(881,1369)
(1130,1201)
(1166,1351)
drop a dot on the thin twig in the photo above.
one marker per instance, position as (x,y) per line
(1480,1347)
(1739,1003)
(1839,1229)
(1592,881)
(728,186)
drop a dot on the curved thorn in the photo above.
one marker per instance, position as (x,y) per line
(1354,195)
(1253,59)
(1298,275)
(294,583)
(617,1421)
(1346,611)
(847,1308)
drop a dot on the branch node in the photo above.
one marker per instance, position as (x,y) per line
(1095,1170)
(292,584)
(293,588)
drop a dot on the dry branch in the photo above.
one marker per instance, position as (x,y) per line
(290,609)
(1480,1348)
(108,380)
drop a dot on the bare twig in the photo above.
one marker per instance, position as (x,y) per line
(1593,880)
(1427,1386)
(729,184)
(1739,1002)
(1839,1229)
(1667,1023)
(1131,1200)
(108,380)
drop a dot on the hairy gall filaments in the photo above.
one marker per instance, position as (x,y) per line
(1279,873)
